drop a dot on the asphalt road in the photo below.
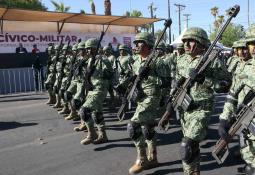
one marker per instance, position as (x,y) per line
(35,140)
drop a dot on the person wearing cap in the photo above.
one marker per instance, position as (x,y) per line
(243,84)
(180,49)
(91,111)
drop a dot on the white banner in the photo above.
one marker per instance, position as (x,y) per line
(10,41)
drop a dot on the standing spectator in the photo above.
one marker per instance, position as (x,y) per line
(35,49)
(21,49)
(38,71)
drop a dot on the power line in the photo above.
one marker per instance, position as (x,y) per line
(187,19)
(180,8)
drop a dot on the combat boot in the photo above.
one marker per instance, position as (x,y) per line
(152,157)
(58,102)
(52,100)
(102,137)
(141,162)
(91,136)
(65,110)
(80,127)
(73,116)
(195,173)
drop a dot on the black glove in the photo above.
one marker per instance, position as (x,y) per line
(120,89)
(223,129)
(144,72)
(198,78)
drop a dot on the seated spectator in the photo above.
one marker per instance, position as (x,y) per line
(21,49)
(35,49)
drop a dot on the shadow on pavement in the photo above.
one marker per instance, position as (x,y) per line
(111,146)
(24,99)
(13,125)
(167,171)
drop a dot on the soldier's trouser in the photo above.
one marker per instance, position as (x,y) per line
(143,133)
(94,104)
(248,151)
(49,83)
(57,83)
(194,126)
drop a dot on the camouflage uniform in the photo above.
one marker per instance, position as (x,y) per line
(108,53)
(141,125)
(76,90)
(51,75)
(91,110)
(64,81)
(194,121)
(243,82)
(233,61)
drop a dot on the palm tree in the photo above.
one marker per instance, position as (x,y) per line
(60,7)
(82,11)
(135,13)
(93,7)
(214,12)
(107,7)
(220,19)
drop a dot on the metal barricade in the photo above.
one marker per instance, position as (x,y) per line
(20,80)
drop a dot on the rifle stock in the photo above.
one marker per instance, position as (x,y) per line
(243,121)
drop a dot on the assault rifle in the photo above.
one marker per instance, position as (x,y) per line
(243,123)
(130,91)
(91,66)
(179,97)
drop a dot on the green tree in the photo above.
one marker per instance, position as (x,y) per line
(107,7)
(82,11)
(232,33)
(24,4)
(137,14)
(158,34)
(60,7)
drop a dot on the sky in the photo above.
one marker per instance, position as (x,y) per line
(199,10)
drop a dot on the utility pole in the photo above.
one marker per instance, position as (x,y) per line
(187,19)
(248,13)
(180,8)
(169,16)
(152,9)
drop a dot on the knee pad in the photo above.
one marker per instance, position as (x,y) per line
(68,96)
(148,132)
(61,93)
(189,150)
(134,130)
(98,117)
(85,113)
(76,104)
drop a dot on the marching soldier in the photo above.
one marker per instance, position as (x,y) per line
(91,111)
(243,84)
(141,125)
(194,121)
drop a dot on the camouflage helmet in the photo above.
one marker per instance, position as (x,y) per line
(180,46)
(145,37)
(123,47)
(91,43)
(81,45)
(162,46)
(107,48)
(241,43)
(75,47)
(250,34)
(234,44)
(198,34)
